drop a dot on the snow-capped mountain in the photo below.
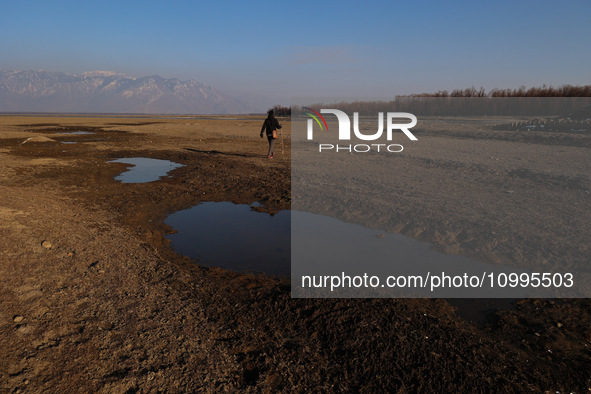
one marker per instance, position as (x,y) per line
(110,92)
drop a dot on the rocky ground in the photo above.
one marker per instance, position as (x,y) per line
(93,299)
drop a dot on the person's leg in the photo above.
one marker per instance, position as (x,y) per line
(271,146)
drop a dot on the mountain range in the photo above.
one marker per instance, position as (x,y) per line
(110,92)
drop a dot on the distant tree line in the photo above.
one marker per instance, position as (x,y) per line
(542,101)
(470,102)
(279,110)
(544,91)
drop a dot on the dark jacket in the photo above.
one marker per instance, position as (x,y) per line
(270,124)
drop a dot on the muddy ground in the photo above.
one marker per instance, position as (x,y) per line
(93,299)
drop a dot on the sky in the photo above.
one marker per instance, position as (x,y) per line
(375,49)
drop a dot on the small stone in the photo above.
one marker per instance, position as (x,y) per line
(381,236)
(14,370)
(274,381)
(18,319)
(558,324)
(106,326)
(46,244)
(24,329)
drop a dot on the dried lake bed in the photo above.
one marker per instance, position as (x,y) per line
(93,297)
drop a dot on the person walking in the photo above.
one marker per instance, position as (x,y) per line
(270,125)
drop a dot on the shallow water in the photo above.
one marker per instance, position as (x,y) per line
(76,132)
(69,142)
(323,245)
(144,169)
(233,237)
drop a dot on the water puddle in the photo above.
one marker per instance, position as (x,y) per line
(233,237)
(236,238)
(323,245)
(69,142)
(144,169)
(76,132)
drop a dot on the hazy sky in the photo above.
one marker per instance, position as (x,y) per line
(307,48)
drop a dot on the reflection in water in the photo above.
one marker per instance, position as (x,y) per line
(144,169)
(233,237)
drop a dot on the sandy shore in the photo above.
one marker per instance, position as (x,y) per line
(105,304)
